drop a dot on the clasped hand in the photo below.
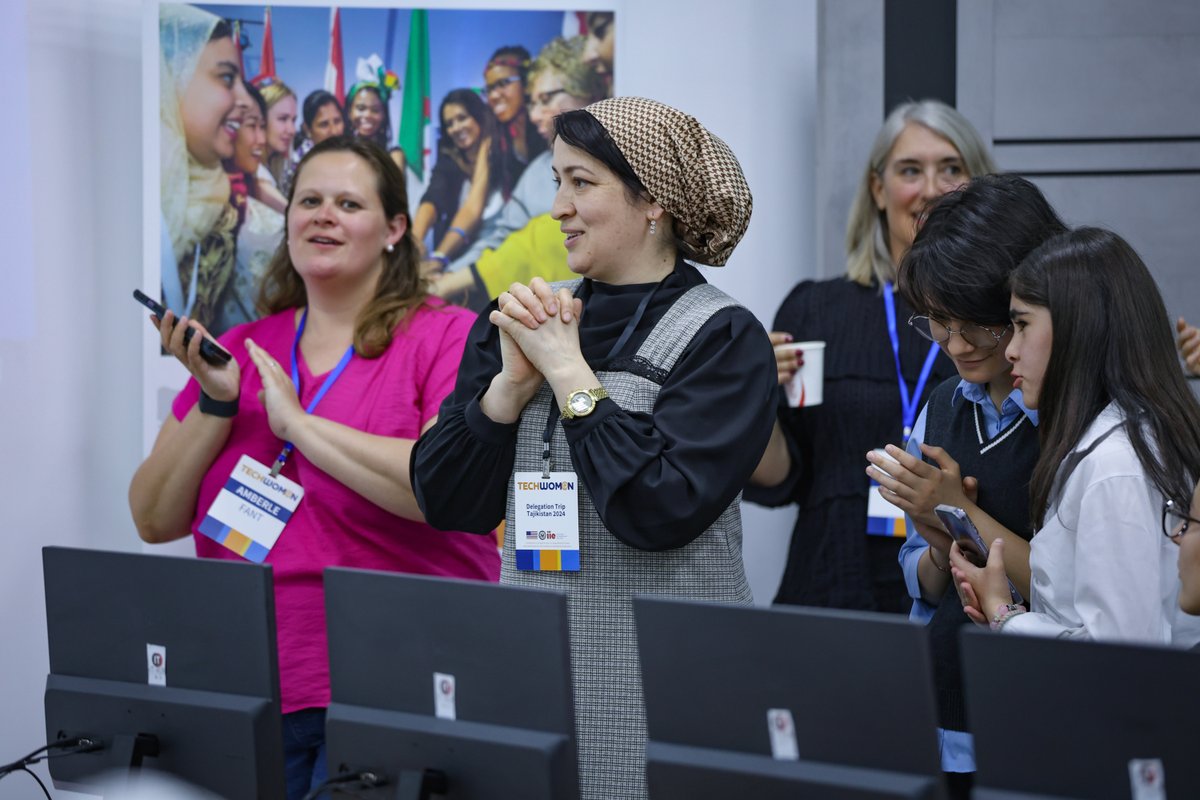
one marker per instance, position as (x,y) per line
(539,331)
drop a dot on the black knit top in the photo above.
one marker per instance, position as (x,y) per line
(828,561)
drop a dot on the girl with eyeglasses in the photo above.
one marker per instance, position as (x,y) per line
(1177,523)
(506,82)
(1092,350)
(956,277)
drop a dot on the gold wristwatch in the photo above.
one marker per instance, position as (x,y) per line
(582,402)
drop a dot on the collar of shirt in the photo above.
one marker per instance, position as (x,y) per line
(1013,405)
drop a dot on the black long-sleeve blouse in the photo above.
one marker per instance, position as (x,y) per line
(658,480)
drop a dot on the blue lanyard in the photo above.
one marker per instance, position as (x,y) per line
(288,447)
(908,404)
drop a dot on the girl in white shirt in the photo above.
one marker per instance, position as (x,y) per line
(1092,351)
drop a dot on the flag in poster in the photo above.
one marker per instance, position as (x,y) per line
(415,117)
(334,78)
(267,67)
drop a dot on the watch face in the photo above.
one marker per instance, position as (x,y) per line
(581,403)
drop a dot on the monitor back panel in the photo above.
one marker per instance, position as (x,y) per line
(506,647)
(1064,719)
(858,685)
(216,619)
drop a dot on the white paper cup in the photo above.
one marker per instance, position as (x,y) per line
(807,386)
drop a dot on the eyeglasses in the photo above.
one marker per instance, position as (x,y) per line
(1175,521)
(543,99)
(978,336)
(500,84)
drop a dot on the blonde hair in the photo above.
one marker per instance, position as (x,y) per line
(867,257)
(273,90)
(565,57)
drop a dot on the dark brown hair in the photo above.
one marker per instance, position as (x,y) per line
(401,288)
(1112,343)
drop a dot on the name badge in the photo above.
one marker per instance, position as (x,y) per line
(251,510)
(883,518)
(546,528)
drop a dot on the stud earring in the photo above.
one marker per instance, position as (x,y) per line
(391,248)
(653,227)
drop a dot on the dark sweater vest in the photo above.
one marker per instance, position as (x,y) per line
(1003,466)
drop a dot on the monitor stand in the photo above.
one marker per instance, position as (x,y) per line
(410,784)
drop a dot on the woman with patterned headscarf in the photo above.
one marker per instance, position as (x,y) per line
(666,388)
(201,103)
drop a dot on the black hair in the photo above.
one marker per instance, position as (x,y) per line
(222,30)
(499,176)
(256,95)
(315,101)
(1112,343)
(514,56)
(583,131)
(381,137)
(971,241)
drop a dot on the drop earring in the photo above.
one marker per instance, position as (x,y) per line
(653,227)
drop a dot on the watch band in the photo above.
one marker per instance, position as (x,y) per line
(217,408)
(597,394)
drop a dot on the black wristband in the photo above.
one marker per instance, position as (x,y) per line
(217,408)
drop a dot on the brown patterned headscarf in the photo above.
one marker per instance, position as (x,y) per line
(692,174)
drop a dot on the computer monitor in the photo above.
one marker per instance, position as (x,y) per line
(1058,719)
(169,664)
(460,682)
(785,703)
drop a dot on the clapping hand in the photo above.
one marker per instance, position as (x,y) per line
(278,395)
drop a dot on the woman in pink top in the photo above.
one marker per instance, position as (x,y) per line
(349,317)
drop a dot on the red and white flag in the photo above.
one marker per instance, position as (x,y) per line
(334,80)
(267,67)
(574,24)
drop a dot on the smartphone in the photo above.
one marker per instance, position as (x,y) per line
(967,537)
(210,351)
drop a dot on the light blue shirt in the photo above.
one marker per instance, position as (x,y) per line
(957,747)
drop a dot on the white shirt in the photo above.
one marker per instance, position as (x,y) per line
(1100,566)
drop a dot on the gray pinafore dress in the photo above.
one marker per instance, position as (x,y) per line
(610,719)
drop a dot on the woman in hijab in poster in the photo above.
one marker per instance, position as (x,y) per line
(201,104)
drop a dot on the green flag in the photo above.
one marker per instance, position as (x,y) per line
(415,114)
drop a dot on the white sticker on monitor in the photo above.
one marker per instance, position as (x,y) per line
(156,665)
(443,696)
(1147,780)
(782,730)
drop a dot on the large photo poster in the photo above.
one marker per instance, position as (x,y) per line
(463,101)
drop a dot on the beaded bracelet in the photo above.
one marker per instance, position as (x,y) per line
(1005,612)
